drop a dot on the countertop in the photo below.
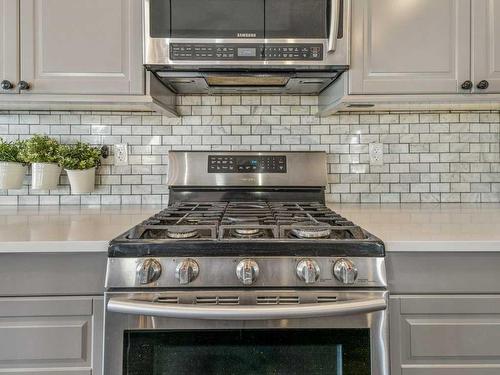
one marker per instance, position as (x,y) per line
(50,229)
(402,227)
(428,226)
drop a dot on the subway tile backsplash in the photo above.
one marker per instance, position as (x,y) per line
(428,156)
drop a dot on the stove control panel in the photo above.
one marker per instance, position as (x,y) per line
(246,164)
(245,52)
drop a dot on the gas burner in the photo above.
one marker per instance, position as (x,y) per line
(310,232)
(247,232)
(182,233)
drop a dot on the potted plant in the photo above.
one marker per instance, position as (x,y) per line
(12,165)
(43,154)
(80,162)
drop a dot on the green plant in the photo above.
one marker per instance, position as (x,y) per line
(11,151)
(40,149)
(80,156)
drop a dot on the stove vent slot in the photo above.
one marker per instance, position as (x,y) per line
(326,299)
(218,300)
(278,300)
(169,299)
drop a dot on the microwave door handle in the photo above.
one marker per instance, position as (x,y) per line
(217,312)
(334,25)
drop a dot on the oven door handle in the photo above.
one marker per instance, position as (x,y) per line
(334,25)
(218,312)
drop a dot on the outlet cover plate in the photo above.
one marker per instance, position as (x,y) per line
(376,151)
(121,154)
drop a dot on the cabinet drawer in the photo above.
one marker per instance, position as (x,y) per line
(445,335)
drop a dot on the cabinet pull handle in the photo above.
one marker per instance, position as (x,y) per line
(23,85)
(467,85)
(6,85)
(483,85)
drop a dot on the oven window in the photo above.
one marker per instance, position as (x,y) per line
(217,18)
(242,352)
(296,19)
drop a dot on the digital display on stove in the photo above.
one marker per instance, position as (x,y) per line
(247,164)
(247,52)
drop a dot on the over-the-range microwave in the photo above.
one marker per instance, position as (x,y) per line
(266,46)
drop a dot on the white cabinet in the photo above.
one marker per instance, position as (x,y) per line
(56,335)
(9,44)
(420,55)
(81,47)
(410,47)
(486,44)
(445,334)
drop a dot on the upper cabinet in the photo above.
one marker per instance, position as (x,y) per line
(9,46)
(486,45)
(81,47)
(413,46)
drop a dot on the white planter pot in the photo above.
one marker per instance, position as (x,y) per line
(82,181)
(12,175)
(45,176)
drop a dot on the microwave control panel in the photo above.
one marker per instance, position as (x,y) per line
(246,164)
(245,52)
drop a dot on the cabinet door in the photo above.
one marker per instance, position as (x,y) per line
(9,43)
(486,44)
(82,47)
(56,335)
(410,47)
(445,335)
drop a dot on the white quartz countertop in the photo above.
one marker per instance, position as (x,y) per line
(50,229)
(403,227)
(429,227)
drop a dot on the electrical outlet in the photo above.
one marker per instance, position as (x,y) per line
(121,154)
(376,153)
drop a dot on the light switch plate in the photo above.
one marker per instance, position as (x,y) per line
(376,151)
(121,154)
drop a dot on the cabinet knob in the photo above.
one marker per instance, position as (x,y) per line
(23,85)
(6,85)
(467,85)
(483,85)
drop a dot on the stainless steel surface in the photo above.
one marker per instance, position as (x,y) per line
(308,271)
(345,271)
(334,25)
(136,307)
(376,321)
(187,271)
(157,50)
(148,271)
(219,272)
(247,271)
(191,169)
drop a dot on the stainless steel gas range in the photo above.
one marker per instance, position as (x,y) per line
(246,272)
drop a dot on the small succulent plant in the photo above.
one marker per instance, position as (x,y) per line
(11,151)
(79,156)
(40,149)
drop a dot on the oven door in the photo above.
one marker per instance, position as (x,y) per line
(246,332)
(276,23)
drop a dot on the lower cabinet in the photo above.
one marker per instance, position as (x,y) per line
(445,334)
(51,335)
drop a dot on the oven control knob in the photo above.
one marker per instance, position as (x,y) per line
(247,271)
(345,271)
(187,271)
(148,271)
(308,271)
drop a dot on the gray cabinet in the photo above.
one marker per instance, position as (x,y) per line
(486,44)
(410,47)
(9,43)
(445,335)
(51,335)
(81,47)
